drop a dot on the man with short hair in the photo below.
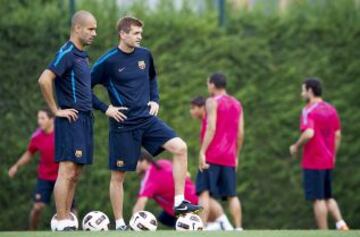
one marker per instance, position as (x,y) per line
(320,138)
(73,123)
(128,73)
(222,135)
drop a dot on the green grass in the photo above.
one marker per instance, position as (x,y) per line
(250,233)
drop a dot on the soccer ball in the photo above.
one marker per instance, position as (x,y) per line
(95,221)
(143,221)
(53,222)
(189,222)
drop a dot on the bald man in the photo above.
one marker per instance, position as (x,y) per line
(73,122)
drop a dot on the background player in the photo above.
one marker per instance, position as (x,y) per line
(163,193)
(42,141)
(320,137)
(128,72)
(73,123)
(222,135)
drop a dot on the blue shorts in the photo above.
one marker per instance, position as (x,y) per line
(125,145)
(43,191)
(167,219)
(317,184)
(219,180)
(74,140)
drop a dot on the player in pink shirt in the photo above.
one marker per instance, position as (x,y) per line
(42,141)
(222,134)
(320,138)
(158,184)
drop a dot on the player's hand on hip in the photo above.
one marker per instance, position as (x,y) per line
(202,162)
(293,150)
(154,108)
(13,171)
(115,113)
(70,114)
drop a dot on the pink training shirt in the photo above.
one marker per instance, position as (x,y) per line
(223,148)
(319,152)
(158,184)
(44,143)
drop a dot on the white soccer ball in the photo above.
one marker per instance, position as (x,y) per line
(189,222)
(74,222)
(143,221)
(95,221)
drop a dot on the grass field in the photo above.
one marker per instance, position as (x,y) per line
(250,233)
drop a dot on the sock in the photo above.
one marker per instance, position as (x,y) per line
(213,226)
(178,200)
(340,224)
(239,229)
(225,222)
(120,222)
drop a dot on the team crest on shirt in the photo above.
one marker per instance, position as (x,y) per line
(38,196)
(120,163)
(78,153)
(142,64)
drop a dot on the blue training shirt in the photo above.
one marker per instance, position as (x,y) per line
(131,81)
(73,78)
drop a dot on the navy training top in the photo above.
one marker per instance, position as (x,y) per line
(131,81)
(73,78)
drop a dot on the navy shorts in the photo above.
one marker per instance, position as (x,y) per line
(43,191)
(167,219)
(219,180)
(125,145)
(74,140)
(317,184)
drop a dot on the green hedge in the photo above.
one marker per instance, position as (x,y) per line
(265,56)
